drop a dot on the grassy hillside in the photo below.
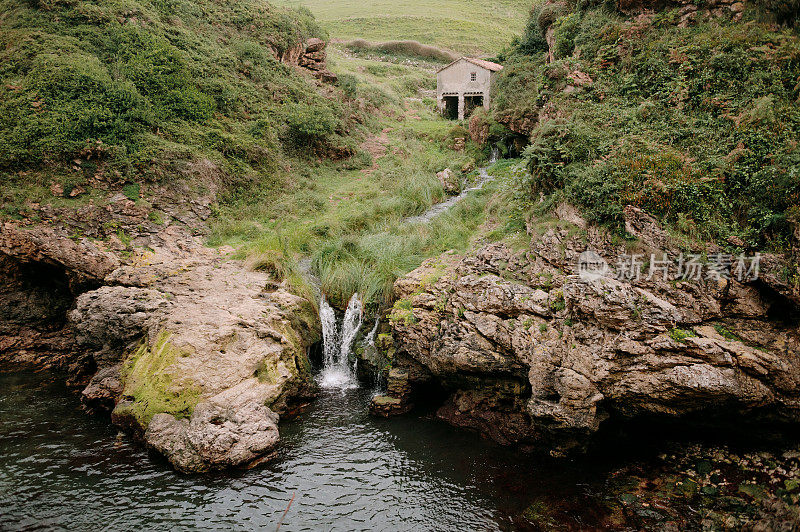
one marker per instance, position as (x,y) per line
(464,26)
(124,91)
(698,125)
(347,216)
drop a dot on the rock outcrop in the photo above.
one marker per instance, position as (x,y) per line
(42,270)
(312,57)
(184,346)
(533,354)
(449,181)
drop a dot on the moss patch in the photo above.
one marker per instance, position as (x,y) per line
(403,311)
(152,387)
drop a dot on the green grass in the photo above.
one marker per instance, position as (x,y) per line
(464,26)
(140,89)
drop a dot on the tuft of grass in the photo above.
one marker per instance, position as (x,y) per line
(132,191)
(680,335)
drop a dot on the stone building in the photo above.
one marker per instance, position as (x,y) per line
(464,85)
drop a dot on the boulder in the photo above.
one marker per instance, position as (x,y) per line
(315,45)
(219,434)
(449,181)
(104,389)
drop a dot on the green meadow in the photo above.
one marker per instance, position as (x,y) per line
(463,26)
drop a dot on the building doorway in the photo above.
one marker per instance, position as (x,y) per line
(450,108)
(471,103)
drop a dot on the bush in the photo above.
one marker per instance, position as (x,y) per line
(549,13)
(532,41)
(566,29)
(309,124)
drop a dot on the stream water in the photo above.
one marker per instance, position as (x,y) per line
(337,468)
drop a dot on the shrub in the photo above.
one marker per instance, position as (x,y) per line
(309,124)
(533,40)
(549,13)
(566,29)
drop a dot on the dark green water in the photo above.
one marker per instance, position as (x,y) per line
(345,470)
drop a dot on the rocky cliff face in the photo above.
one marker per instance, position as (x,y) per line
(534,355)
(311,56)
(185,347)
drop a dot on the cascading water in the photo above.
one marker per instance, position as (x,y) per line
(370,339)
(337,343)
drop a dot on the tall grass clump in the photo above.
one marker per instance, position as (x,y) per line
(370,263)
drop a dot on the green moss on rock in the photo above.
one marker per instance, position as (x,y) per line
(151,388)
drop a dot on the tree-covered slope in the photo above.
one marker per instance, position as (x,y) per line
(695,119)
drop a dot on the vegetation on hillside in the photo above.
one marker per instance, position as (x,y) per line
(136,89)
(698,125)
(347,217)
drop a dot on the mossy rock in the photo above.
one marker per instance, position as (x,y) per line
(150,387)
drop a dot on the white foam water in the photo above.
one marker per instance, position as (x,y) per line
(370,339)
(337,342)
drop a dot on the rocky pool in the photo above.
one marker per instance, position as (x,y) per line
(338,468)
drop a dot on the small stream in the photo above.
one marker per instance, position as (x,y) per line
(439,208)
(337,467)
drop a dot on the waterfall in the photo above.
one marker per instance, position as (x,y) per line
(337,342)
(495,155)
(370,339)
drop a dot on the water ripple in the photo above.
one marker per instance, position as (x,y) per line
(61,469)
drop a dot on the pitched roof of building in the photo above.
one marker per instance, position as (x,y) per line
(488,65)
